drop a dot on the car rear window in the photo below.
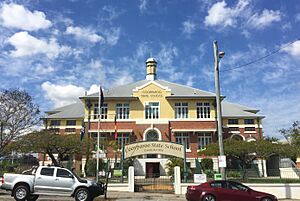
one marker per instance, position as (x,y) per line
(217,184)
(47,171)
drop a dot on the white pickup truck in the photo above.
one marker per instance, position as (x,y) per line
(50,180)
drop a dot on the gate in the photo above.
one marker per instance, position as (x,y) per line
(155,183)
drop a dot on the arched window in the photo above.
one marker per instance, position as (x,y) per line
(152,135)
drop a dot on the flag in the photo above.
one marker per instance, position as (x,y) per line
(101,98)
(116,133)
(82,133)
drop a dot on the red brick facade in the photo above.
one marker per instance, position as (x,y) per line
(167,132)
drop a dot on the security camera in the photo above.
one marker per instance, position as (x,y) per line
(221,54)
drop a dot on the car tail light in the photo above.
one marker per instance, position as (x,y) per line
(192,188)
(2,180)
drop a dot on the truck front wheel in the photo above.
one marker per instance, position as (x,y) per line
(21,193)
(82,194)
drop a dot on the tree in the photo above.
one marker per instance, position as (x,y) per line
(18,115)
(49,143)
(246,152)
(173,162)
(271,139)
(292,134)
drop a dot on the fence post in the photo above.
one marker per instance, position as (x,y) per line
(177,180)
(131,179)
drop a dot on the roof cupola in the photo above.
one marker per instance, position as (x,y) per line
(151,69)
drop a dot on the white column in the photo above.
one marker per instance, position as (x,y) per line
(131,179)
(264,163)
(177,180)
(83,162)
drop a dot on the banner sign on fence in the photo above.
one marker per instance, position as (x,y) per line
(200,178)
(157,147)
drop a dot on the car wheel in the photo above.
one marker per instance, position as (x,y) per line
(266,199)
(21,193)
(33,197)
(82,194)
(209,198)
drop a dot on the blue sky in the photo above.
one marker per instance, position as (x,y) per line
(58,49)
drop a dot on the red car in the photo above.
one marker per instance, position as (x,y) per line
(225,191)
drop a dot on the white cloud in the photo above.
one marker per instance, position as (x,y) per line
(112,13)
(124,77)
(17,16)
(246,33)
(143,6)
(293,49)
(96,63)
(93,89)
(27,45)
(113,35)
(190,80)
(266,18)
(297,17)
(43,70)
(221,15)
(84,34)
(286,27)
(62,95)
(188,27)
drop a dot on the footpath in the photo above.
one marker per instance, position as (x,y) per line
(126,196)
(116,196)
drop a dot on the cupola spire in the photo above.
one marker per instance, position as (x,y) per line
(151,69)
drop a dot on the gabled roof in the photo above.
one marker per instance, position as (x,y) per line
(177,90)
(237,110)
(75,110)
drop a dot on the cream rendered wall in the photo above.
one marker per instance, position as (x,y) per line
(153,93)
(145,95)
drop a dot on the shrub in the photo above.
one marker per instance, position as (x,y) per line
(234,174)
(90,167)
(209,173)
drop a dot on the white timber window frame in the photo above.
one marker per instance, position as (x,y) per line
(103,110)
(122,110)
(203,139)
(183,137)
(152,110)
(181,110)
(203,110)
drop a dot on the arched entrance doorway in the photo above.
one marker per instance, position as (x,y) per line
(152,168)
(149,181)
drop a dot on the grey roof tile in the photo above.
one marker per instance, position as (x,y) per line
(75,110)
(177,90)
(237,110)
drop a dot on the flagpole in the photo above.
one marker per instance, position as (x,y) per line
(98,135)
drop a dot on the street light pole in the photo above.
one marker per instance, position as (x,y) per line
(217,57)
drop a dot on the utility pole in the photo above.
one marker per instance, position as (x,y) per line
(217,57)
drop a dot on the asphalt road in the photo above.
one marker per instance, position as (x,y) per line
(115,196)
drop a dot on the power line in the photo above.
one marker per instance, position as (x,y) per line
(261,58)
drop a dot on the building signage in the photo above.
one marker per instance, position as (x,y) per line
(151,94)
(157,147)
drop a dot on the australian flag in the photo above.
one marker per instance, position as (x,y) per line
(101,98)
